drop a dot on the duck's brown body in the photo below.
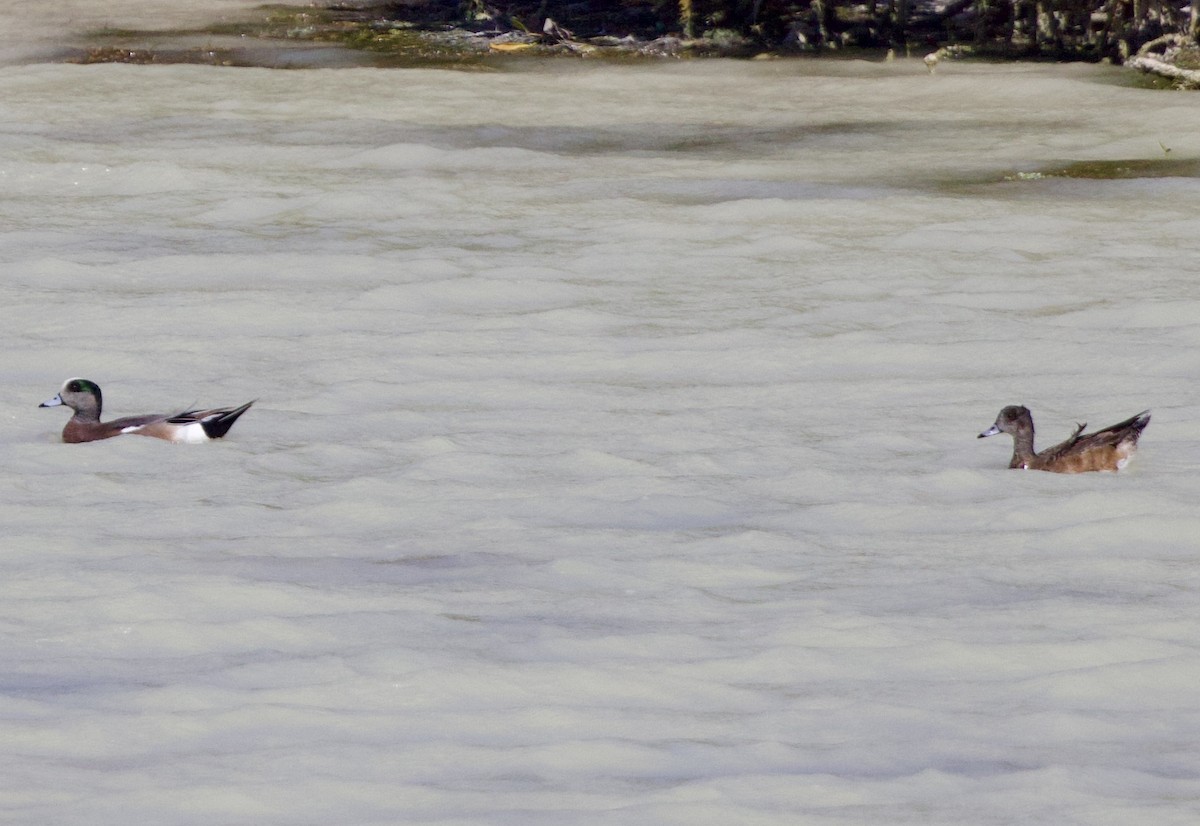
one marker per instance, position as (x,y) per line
(1107,449)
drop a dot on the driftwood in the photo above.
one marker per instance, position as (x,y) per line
(1188,78)
(1158,57)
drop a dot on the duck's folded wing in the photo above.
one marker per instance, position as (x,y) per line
(1127,431)
(1073,442)
(1119,432)
(132,424)
(190,416)
(193,416)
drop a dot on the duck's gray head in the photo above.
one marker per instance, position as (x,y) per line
(1011,419)
(81,395)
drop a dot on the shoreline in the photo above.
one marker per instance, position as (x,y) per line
(293,37)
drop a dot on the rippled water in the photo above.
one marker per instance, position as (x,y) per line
(614,458)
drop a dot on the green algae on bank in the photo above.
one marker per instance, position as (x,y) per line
(1122,169)
(285,37)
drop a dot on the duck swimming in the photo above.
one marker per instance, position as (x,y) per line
(83,396)
(1107,449)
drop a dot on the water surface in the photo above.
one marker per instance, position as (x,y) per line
(614,460)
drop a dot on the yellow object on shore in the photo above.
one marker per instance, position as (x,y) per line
(510,47)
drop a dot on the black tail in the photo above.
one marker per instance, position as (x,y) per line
(219,425)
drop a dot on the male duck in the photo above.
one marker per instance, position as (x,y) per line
(83,397)
(1107,449)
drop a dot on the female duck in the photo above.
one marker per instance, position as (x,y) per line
(1107,449)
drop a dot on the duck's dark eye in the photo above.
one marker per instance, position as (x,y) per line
(75,386)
